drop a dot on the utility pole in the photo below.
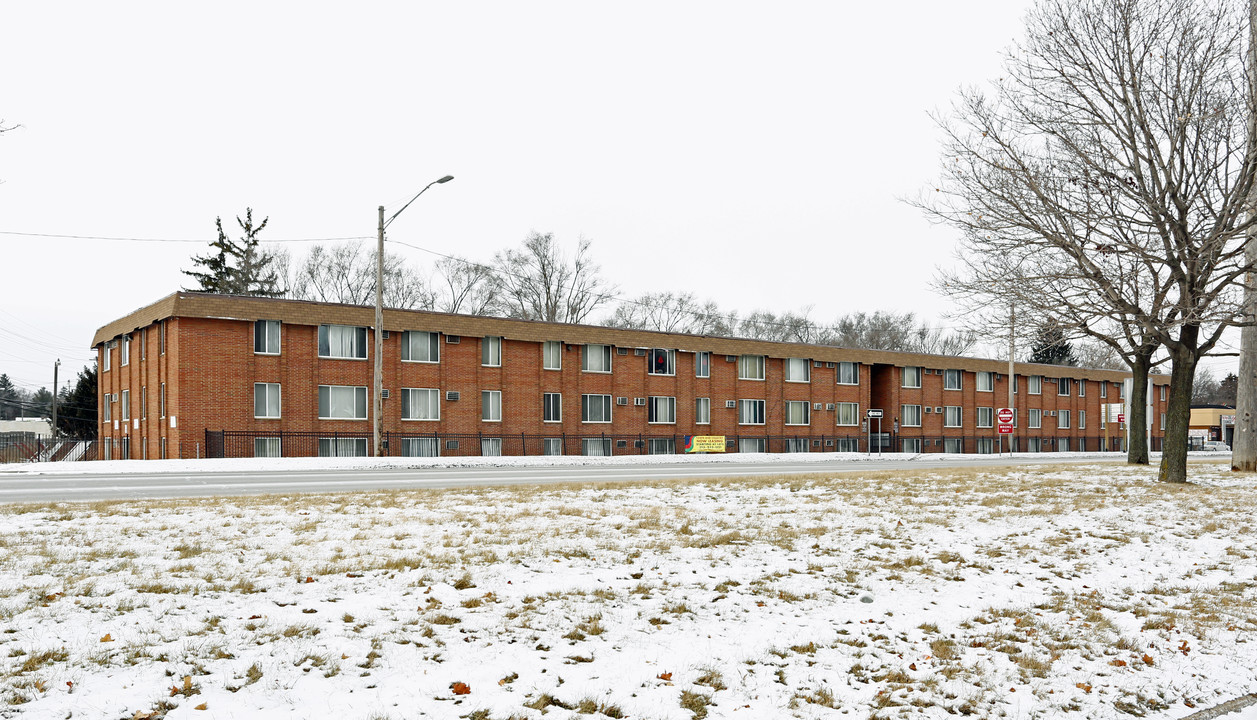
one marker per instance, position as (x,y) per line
(55,367)
(377,404)
(1012,377)
(1244,447)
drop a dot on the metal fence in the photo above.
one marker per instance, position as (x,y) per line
(248,443)
(39,448)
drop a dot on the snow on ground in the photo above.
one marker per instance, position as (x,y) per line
(1042,591)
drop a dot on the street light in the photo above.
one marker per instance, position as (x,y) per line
(378,403)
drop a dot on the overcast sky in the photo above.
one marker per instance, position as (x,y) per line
(754,154)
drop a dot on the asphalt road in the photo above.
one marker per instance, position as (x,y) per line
(62,487)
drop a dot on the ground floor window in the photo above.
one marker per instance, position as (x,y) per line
(595,446)
(421,447)
(1082,445)
(163,448)
(1062,445)
(953,445)
(752,445)
(124,448)
(986,446)
(911,445)
(847,445)
(342,447)
(491,447)
(264,447)
(1034,445)
(107,449)
(662,446)
(552,446)
(797,445)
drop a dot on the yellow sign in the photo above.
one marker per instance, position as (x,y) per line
(704,443)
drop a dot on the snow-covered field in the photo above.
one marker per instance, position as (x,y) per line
(1038,591)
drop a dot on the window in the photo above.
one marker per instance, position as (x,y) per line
(1082,419)
(552,355)
(163,448)
(986,417)
(265,447)
(342,447)
(1016,385)
(1062,444)
(848,373)
(125,352)
(752,445)
(798,412)
(951,416)
(421,404)
(797,445)
(266,400)
(1082,388)
(163,400)
(161,335)
(266,338)
(1036,384)
(595,358)
(1062,418)
(1162,421)
(491,447)
(551,407)
(911,415)
(595,446)
(491,405)
(986,446)
(1162,393)
(662,362)
(911,445)
(953,445)
(702,364)
(143,402)
(1121,391)
(126,405)
(911,377)
(595,408)
(1062,387)
(491,351)
(702,411)
(847,445)
(951,379)
(421,346)
(107,405)
(798,370)
(750,412)
(421,447)
(1034,445)
(662,446)
(1104,389)
(986,382)
(848,413)
(662,410)
(343,341)
(1036,418)
(342,402)
(106,356)
(144,353)
(552,446)
(751,367)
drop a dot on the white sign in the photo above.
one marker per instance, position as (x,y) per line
(875,413)
(1004,415)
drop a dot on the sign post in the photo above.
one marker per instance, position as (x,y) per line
(875,414)
(1004,417)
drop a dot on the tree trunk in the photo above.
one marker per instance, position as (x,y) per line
(1178,413)
(1244,444)
(1137,423)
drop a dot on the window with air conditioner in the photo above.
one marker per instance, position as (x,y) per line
(751,367)
(421,404)
(595,358)
(420,346)
(661,410)
(595,408)
(798,370)
(750,412)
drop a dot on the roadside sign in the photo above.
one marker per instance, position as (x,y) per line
(1005,416)
(874,413)
(1005,428)
(1121,417)
(704,443)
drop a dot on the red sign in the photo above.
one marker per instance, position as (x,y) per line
(1005,429)
(1121,417)
(1004,415)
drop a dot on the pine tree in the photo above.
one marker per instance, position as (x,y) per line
(1051,347)
(237,267)
(8,399)
(76,408)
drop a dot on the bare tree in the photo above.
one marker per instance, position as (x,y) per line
(538,283)
(673,312)
(345,273)
(1109,172)
(901,332)
(1098,356)
(469,288)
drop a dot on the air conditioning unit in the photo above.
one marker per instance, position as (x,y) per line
(621,443)
(451,396)
(386,335)
(452,339)
(829,406)
(640,352)
(731,404)
(640,402)
(829,443)
(384,394)
(115,397)
(1051,413)
(731,358)
(636,443)
(816,406)
(817,363)
(451,444)
(998,376)
(928,409)
(621,401)
(938,409)
(621,351)
(938,442)
(816,443)
(570,348)
(831,365)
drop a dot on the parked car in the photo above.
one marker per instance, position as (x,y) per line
(1215,446)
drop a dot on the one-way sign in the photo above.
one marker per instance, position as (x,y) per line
(875,413)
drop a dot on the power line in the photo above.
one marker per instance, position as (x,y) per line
(176,240)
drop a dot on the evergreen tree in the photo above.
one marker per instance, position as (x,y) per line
(76,408)
(9,398)
(40,405)
(1051,347)
(1227,390)
(237,267)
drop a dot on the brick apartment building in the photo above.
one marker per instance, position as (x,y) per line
(197,375)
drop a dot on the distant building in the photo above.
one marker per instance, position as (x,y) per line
(1212,422)
(213,375)
(27,425)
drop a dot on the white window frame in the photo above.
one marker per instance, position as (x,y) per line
(1062,419)
(1162,393)
(1036,385)
(277,397)
(490,406)
(491,351)
(359,337)
(124,351)
(1082,419)
(268,332)
(126,405)
(844,408)
(1162,421)
(274,447)
(605,402)
(604,447)
(1036,418)
(795,405)
(907,373)
(106,356)
(551,355)
(1104,389)
(1062,387)
(549,446)
(910,445)
(702,364)
(748,408)
(410,398)
(664,405)
(670,361)
(107,410)
(551,400)
(412,447)
(426,340)
(163,400)
(953,416)
(984,381)
(957,375)
(903,415)
(603,353)
(751,366)
(334,445)
(359,390)
(801,366)
(854,368)
(661,446)
(493,445)
(1082,388)
(986,417)
(702,411)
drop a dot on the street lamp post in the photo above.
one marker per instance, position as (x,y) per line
(377,405)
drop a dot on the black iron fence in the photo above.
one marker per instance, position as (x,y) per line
(248,443)
(39,448)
